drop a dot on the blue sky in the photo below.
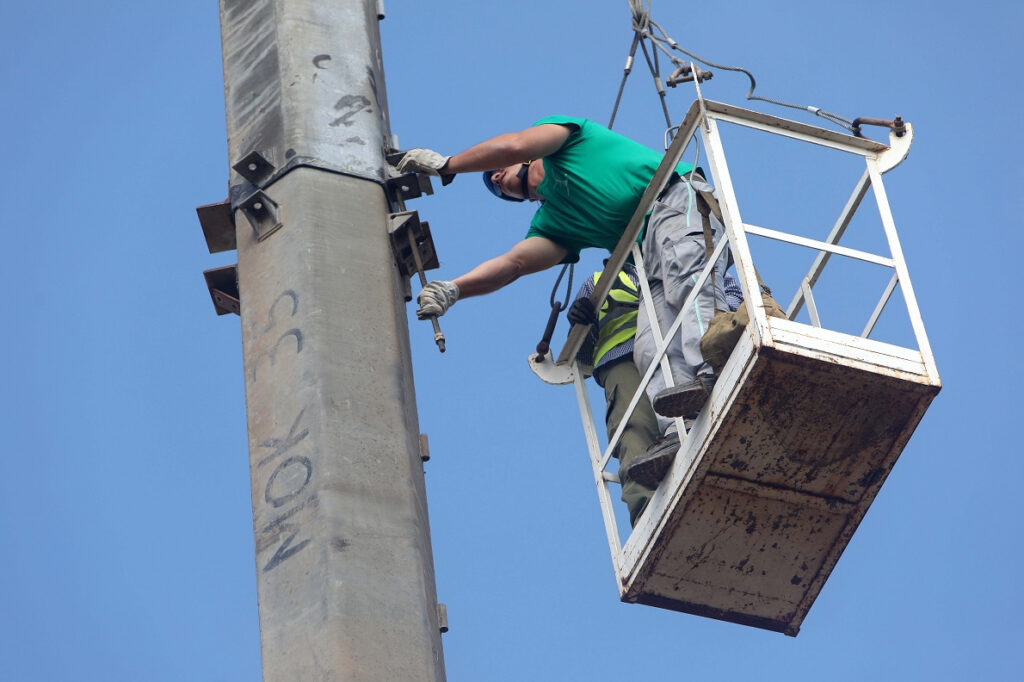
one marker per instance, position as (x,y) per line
(125,515)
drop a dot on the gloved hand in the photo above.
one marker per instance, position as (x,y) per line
(582,312)
(424,161)
(436,298)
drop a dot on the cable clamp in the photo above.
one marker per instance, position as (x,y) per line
(685,73)
(897,125)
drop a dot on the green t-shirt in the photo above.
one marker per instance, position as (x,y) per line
(591,186)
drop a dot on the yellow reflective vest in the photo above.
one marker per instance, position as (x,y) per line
(616,320)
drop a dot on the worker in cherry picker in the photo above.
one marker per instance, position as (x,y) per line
(588,181)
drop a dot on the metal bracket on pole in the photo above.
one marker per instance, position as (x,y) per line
(261,212)
(259,209)
(400,227)
(414,253)
(223,285)
(254,167)
(395,155)
(218,223)
(408,186)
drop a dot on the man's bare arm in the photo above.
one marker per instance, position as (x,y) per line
(509,148)
(528,256)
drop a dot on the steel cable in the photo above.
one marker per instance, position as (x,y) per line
(646,29)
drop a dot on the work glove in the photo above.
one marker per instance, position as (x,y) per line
(582,312)
(436,298)
(424,161)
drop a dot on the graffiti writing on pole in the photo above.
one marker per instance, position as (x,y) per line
(280,534)
(291,472)
(270,355)
(351,105)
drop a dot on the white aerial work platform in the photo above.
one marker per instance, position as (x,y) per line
(800,431)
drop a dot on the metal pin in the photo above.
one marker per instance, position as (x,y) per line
(438,336)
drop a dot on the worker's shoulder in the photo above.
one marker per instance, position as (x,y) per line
(568,121)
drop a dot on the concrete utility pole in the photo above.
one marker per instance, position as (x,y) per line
(343,556)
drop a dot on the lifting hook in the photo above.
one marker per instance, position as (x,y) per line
(556,308)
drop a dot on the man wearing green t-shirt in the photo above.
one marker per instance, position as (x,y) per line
(588,180)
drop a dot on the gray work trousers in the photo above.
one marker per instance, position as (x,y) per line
(674,255)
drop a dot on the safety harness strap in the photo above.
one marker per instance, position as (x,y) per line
(704,207)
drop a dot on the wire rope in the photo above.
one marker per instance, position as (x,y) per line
(646,30)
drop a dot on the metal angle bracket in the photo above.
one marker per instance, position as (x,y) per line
(400,226)
(254,167)
(261,212)
(218,223)
(393,156)
(223,285)
(408,186)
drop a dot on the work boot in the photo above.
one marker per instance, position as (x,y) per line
(649,468)
(684,400)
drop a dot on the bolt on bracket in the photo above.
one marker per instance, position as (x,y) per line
(261,212)
(223,285)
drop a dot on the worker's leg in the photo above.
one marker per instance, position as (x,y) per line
(674,255)
(621,380)
(675,248)
(644,347)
